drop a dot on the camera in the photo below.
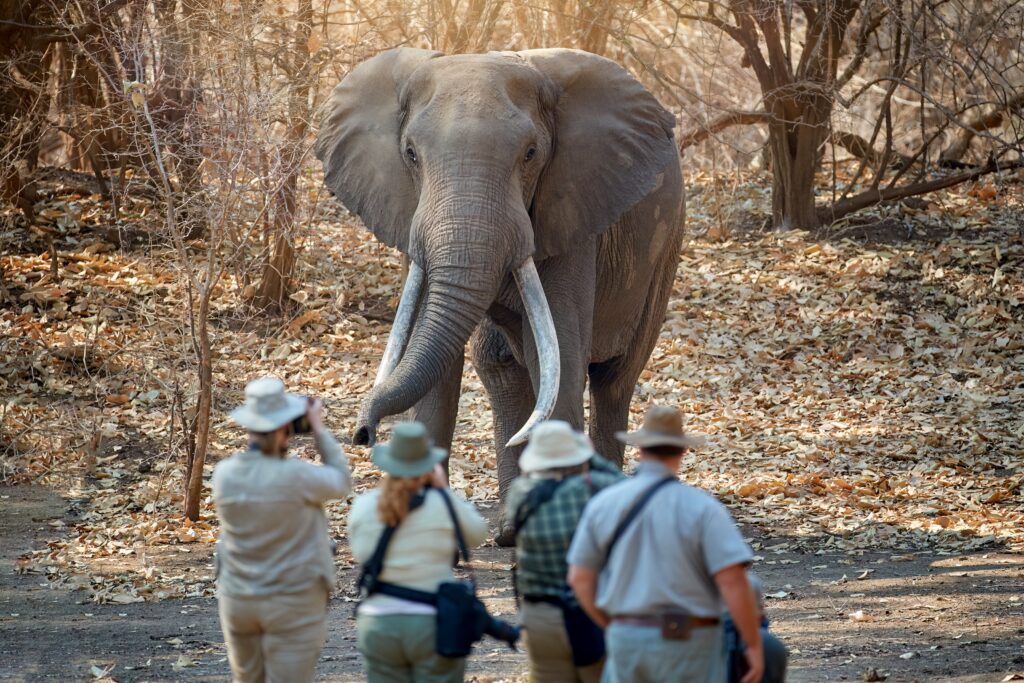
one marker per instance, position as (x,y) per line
(300,425)
(503,631)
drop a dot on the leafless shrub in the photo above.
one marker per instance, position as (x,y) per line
(207,109)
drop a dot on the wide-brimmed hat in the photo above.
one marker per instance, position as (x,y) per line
(410,452)
(555,444)
(663,426)
(268,406)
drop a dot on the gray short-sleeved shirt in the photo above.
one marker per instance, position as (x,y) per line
(667,558)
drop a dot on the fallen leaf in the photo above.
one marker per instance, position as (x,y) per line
(183,662)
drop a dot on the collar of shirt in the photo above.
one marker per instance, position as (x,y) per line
(251,454)
(653,468)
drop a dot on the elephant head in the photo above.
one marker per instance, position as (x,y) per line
(475,166)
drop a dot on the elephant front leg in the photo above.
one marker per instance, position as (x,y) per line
(439,408)
(511,394)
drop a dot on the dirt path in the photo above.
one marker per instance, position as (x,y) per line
(961,617)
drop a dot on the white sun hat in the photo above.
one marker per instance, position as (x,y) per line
(268,406)
(555,444)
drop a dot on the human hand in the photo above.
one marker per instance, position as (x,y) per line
(438,477)
(314,413)
(755,664)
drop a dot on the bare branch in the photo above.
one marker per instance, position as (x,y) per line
(728,120)
(875,196)
(990,117)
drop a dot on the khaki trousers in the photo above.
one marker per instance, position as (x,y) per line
(547,645)
(638,654)
(275,638)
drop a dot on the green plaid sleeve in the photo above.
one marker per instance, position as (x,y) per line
(544,541)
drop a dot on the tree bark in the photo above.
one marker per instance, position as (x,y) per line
(795,155)
(194,489)
(988,118)
(701,133)
(875,196)
(276,283)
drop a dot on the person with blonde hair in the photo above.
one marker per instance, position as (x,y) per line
(396,636)
(275,564)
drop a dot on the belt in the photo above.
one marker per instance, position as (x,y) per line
(540,597)
(659,620)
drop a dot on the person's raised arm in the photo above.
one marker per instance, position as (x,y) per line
(333,480)
(739,599)
(583,582)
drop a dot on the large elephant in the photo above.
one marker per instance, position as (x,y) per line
(538,197)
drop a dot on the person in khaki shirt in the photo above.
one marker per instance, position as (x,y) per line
(275,565)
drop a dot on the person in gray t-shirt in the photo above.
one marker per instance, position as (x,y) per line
(658,588)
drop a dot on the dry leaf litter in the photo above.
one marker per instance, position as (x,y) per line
(857,394)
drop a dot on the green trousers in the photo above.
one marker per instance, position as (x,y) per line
(399,648)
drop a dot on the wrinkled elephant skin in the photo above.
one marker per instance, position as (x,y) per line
(539,198)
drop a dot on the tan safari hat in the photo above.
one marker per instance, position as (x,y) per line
(554,444)
(268,406)
(663,426)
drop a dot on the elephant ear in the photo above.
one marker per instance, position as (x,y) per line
(358,144)
(613,142)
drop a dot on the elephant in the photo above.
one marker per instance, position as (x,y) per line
(538,197)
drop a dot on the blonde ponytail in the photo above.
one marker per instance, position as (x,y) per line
(395,494)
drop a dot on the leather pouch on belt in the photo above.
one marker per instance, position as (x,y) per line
(675,627)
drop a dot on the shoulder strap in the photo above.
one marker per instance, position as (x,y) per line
(634,512)
(459,538)
(537,496)
(370,572)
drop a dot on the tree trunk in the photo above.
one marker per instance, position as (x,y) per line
(194,489)
(794,161)
(275,286)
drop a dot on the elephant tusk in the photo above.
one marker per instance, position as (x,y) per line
(546,340)
(402,326)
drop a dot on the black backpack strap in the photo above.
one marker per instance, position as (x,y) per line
(410,594)
(633,513)
(368,583)
(459,538)
(537,496)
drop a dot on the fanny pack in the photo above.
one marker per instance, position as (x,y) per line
(462,618)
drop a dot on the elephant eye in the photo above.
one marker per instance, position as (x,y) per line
(410,154)
(531,153)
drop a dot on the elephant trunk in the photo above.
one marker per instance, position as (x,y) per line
(460,260)
(449,310)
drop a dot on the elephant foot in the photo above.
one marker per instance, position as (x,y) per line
(506,536)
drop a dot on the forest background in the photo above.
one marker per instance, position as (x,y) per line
(846,323)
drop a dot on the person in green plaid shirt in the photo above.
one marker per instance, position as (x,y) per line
(561,472)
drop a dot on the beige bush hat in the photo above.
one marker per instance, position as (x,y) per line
(663,426)
(554,444)
(268,406)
